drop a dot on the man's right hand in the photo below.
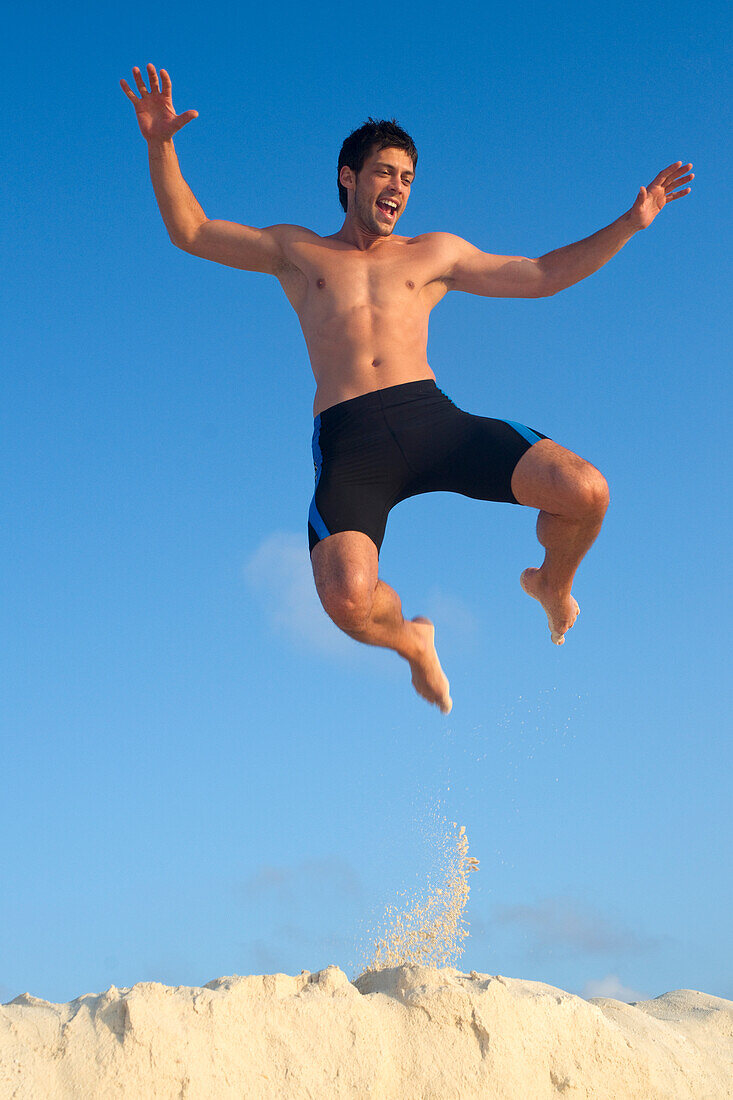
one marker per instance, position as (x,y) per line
(154,109)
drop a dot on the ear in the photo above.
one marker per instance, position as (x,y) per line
(347,177)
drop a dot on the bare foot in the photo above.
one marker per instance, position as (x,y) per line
(428,677)
(561,609)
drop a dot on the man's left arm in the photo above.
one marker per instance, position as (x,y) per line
(478,272)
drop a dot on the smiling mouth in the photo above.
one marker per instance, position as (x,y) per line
(389,211)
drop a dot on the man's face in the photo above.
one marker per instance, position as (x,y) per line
(382,189)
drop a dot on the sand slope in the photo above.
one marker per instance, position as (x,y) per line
(409,1032)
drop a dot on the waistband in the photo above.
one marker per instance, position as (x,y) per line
(386,398)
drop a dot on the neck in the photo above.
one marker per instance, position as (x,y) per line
(354,232)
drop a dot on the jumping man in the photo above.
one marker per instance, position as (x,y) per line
(383,430)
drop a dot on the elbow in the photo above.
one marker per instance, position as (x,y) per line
(541,290)
(548,287)
(543,283)
(186,240)
(184,243)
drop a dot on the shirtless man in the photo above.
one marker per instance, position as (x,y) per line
(383,429)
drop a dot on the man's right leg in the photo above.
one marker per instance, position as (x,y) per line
(345,569)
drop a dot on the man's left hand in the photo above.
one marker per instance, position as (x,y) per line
(660,191)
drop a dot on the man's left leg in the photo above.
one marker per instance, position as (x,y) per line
(572,497)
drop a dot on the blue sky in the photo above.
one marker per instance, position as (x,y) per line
(200,775)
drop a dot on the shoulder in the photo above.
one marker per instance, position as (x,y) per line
(290,241)
(440,241)
(443,253)
(445,248)
(289,234)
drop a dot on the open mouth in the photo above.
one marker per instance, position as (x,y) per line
(388,208)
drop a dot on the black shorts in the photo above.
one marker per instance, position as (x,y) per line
(378,449)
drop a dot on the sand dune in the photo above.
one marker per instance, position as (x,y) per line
(402,1033)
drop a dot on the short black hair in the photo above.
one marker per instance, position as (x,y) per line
(380,132)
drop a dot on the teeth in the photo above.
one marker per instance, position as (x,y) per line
(389,202)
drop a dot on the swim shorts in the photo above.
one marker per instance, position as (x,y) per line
(375,450)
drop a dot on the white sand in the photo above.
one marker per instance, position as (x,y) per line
(401,1033)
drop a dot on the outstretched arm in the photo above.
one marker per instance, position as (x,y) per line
(188,227)
(521,277)
(569,265)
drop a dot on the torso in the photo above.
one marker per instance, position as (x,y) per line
(364,313)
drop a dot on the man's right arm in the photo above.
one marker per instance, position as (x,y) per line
(188,227)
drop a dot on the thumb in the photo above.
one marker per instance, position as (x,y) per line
(181,120)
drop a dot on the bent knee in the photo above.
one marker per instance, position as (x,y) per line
(349,605)
(596,496)
(580,492)
(555,480)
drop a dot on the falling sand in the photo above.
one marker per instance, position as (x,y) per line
(429,928)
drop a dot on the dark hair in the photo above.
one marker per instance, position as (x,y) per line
(380,132)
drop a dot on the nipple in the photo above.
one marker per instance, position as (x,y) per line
(410,285)
(321,283)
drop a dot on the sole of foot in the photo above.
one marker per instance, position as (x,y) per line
(531,584)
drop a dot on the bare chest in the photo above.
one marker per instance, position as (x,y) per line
(336,281)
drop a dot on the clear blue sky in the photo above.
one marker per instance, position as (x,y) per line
(200,776)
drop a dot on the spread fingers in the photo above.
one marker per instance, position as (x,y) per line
(138,77)
(153,77)
(128,91)
(678,194)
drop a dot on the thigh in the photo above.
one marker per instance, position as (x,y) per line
(360,472)
(476,456)
(551,478)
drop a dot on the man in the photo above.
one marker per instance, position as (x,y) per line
(383,429)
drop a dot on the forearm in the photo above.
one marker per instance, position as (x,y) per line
(565,266)
(178,206)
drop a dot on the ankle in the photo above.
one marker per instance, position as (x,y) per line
(412,643)
(550,582)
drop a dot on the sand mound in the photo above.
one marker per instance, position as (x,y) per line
(402,1033)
